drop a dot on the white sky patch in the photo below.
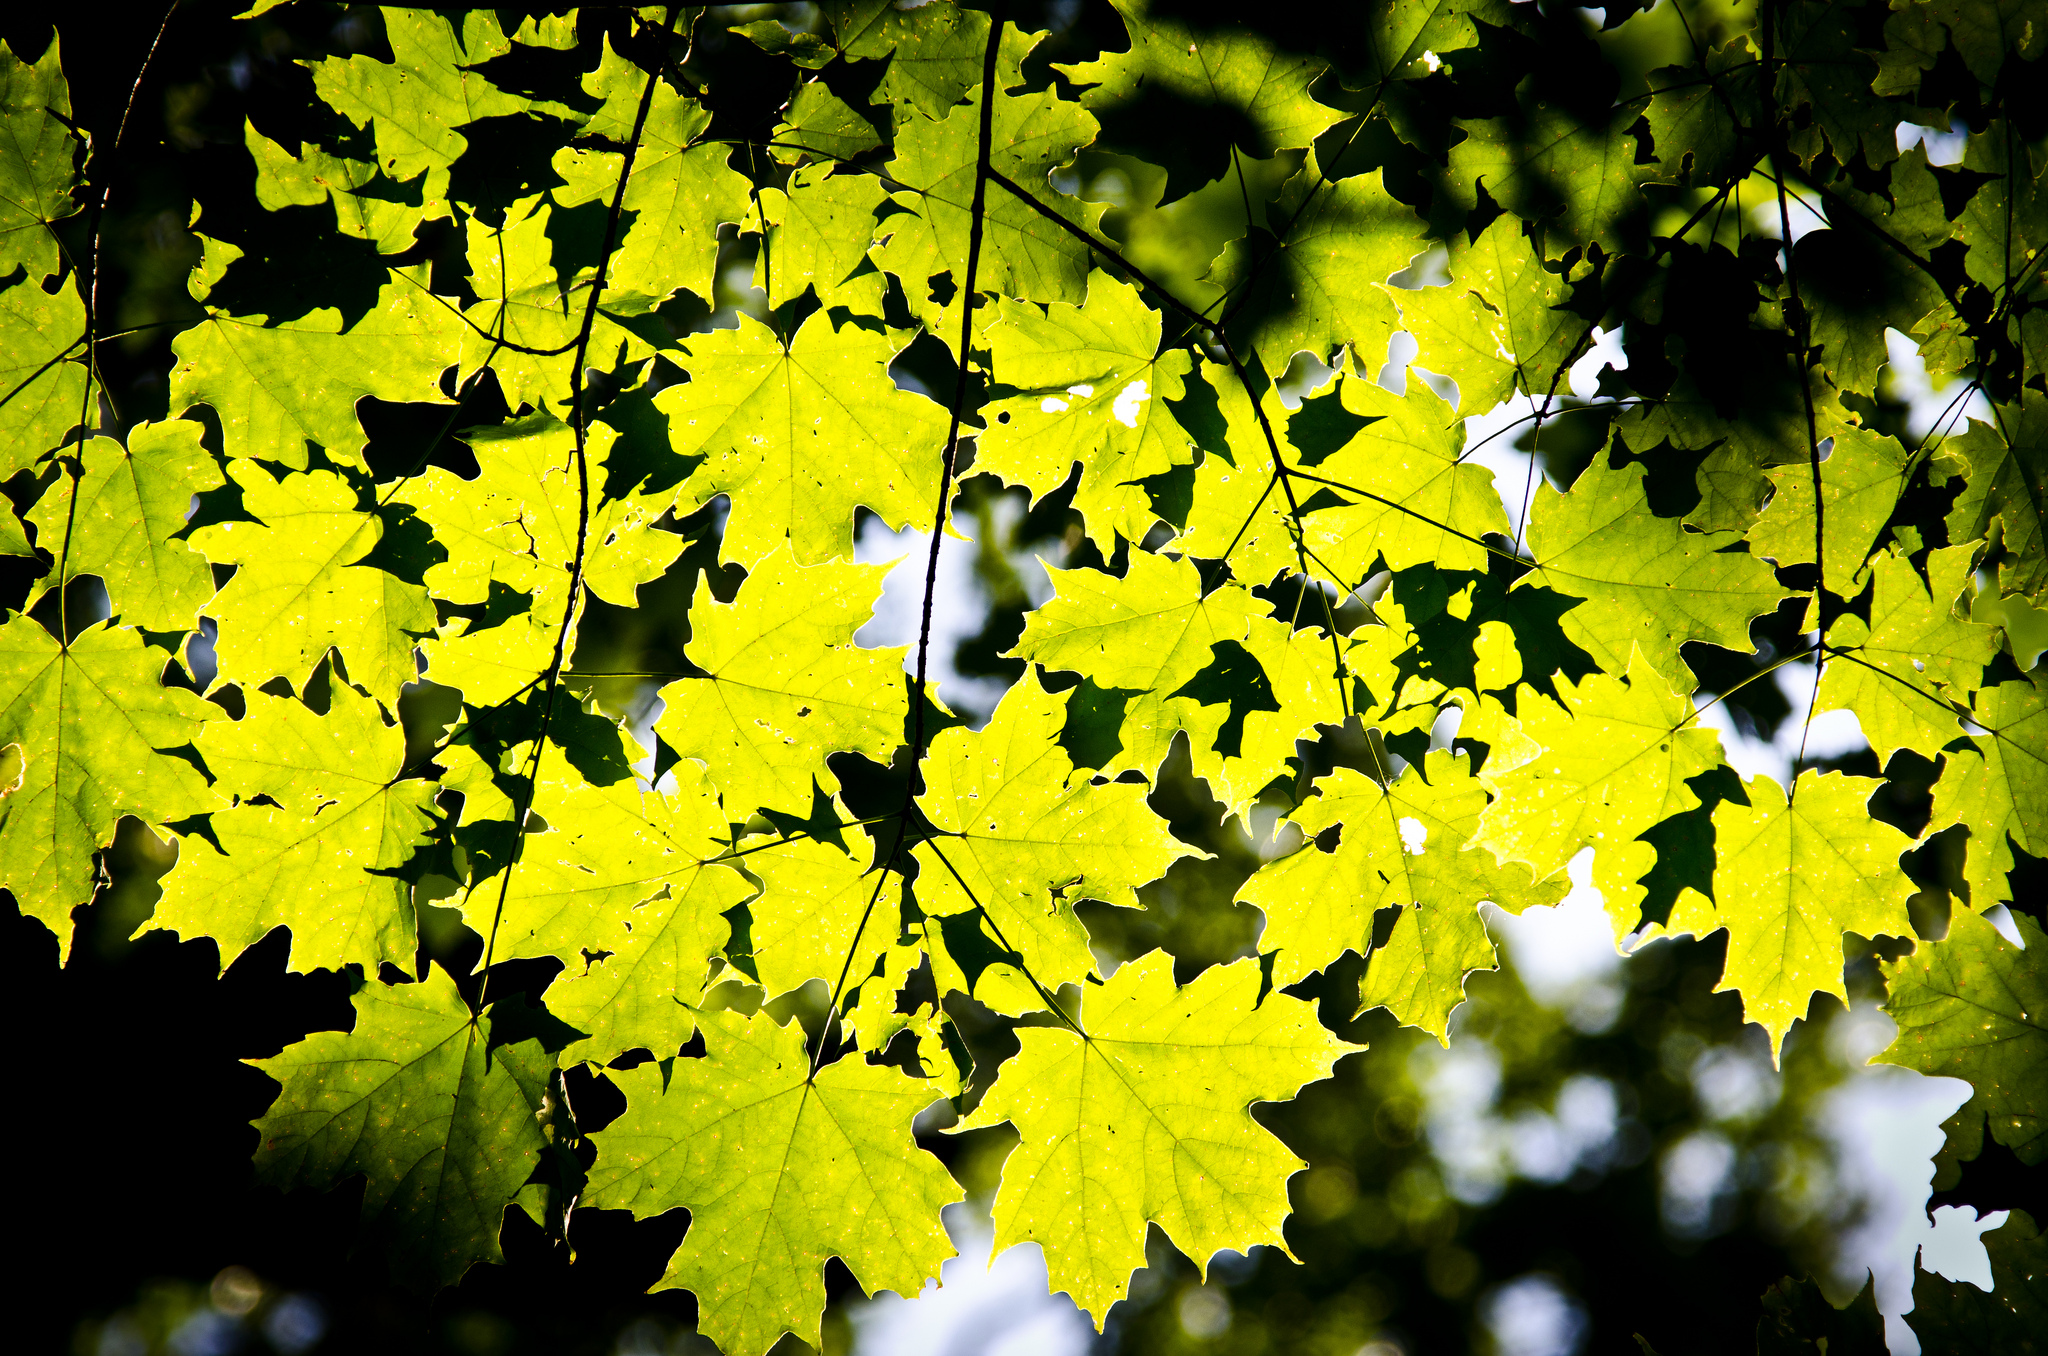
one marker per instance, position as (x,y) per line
(1083,390)
(1832,734)
(1565,952)
(1129,402)
(1944,409)
(1053,405)
(959,602)
(998,1307)
(1943,148)
(959,607)
(1414,835)
(1885,1122)
(1954,1246)
(1606,352)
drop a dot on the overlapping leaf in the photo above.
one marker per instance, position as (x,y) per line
(1997,785)
(43,388)
(304,586)
(1499,326)
(1403,845)
(1023,254)
(1599,769)
(36,176)
(680,192)
(122,519)
(1792,873)
(1024,837)
(1646,581)
(784,684)
(1903,672)
(781,1169)
(1093,389)
(309,821)
(1974,1006)
(1144,1116)
(88,717)
(417,1101)
(799,433)
(1150,635)
(415,102)
(277,387)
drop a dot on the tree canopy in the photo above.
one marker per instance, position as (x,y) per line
(445,592)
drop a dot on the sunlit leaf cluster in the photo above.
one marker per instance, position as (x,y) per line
(355,686)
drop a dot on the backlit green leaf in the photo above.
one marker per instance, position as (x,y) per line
(1974,1006)
(129,503)
(309,817)
(1025,837)
(1791,875)
(1146,1118)
(439,1124)
(89,718)
(781,1170)
(785,685)
(795,434)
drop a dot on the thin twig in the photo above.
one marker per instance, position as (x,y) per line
(580,424)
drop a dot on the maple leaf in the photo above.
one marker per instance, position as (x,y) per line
(1974,1006)
(1023,837)
(818,122)
(1239,509)
(1545,162)
(1792,873)
(1092,388)
(1499,326)
(526,304)
(1901,672)
(1646,581)
(88,718)
(417,100)
(2002,221)
(680,192)
(122,516)
(820,913)
(818,230)
(309,820)
(1149,634)
(1240,70)
(1319,285)
(1859,486)
(800,433)
(304,587)
(515,530)
(623,882)
(781,1168)
(1997,785)
(1023,254)
(934,54)
(36,174)
(784,684)
(1402,845)
(1609,762)
(1697,114)
(363,206)
(1144,1116)
(278,387)
(45,394)
(417,1101)
(2007,485)
(1408,496)
(1958,1316)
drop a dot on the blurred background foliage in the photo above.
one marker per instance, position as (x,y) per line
(1599,1154)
